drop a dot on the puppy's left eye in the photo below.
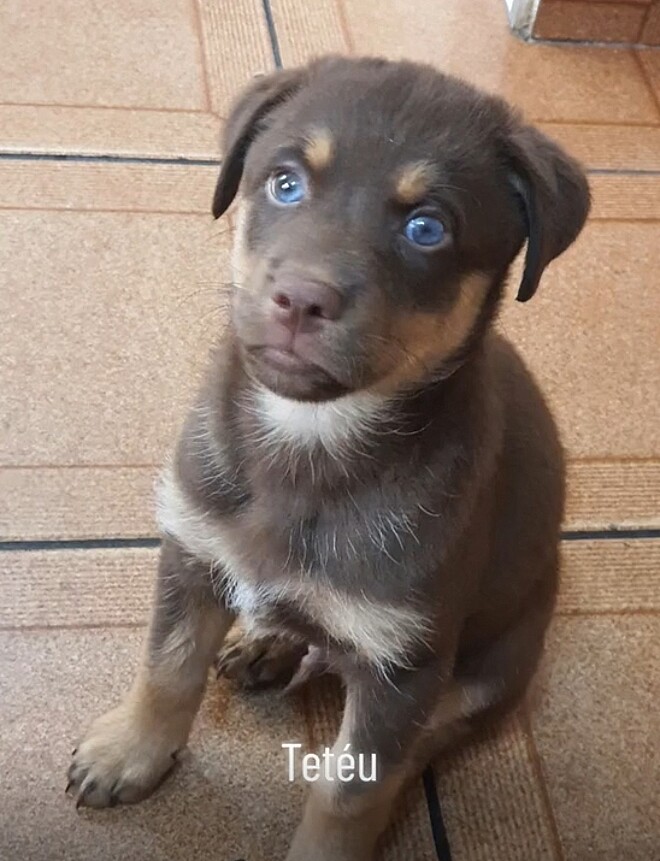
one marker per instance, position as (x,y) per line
(425,231)
(287,187)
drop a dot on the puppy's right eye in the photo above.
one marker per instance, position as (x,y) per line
(287,187)
(425,231)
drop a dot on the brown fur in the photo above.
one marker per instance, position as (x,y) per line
(319,149)
(414,181)
(369,471)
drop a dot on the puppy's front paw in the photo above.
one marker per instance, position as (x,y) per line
(119,760)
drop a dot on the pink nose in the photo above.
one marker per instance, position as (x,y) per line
(299,303)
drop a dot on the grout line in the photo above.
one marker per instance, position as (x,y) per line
(577,43)
(119,542)
(537,769)
(596,219)
(610,534)
(127,210)
(79,544)
(34,466)
(272,34)
(634,124)
(199,33)
(641,611)
(438,830)
(344,27)
(111,159)
(648,83)
(95,107)
(645,20)
(187,161)
(75,626)
(622,171)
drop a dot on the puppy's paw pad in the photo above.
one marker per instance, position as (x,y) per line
(118,762)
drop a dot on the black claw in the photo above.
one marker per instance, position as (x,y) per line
(74,751)
(68,787)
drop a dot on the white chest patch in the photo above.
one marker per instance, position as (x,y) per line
(379,632)
(331,424)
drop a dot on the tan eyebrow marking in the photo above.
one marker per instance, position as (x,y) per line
(319,148)
(414,181)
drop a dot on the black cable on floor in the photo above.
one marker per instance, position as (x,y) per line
(440,839)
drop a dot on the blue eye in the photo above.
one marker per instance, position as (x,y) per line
(287,187)
(424,230)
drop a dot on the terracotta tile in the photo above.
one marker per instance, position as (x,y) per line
(131,53)
(613,22)
(577,84)
(492,802)
(605,494)
(590,335)
(229,795)
(236,47)
(65,588)
(625,198)
(106,186)
(596,728)
(76,503)
(610,576)
(305,30)
(94,131)
(97,63)
(108,332)
(609,146)
(651,32)
(650,61)
(547,82)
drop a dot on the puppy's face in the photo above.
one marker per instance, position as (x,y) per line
(380,212)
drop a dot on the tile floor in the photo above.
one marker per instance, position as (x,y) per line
(109,120)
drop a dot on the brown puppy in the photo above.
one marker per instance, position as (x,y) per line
(370,473)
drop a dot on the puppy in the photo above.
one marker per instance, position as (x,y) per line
(369,475)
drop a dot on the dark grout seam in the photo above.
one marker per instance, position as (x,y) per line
(610,534)
(109,159)
(438,830)
(537,769)
(272,34)
(185,161)
(622,171)
(80,544)
(119,543)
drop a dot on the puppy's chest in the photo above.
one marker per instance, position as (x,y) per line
(289,570)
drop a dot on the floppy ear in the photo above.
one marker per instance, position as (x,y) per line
(243,126)
(554,194)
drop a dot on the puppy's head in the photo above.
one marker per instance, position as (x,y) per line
(381,207)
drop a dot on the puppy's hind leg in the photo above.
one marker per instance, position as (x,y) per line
(129,750)
(349,805)
(490,681)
